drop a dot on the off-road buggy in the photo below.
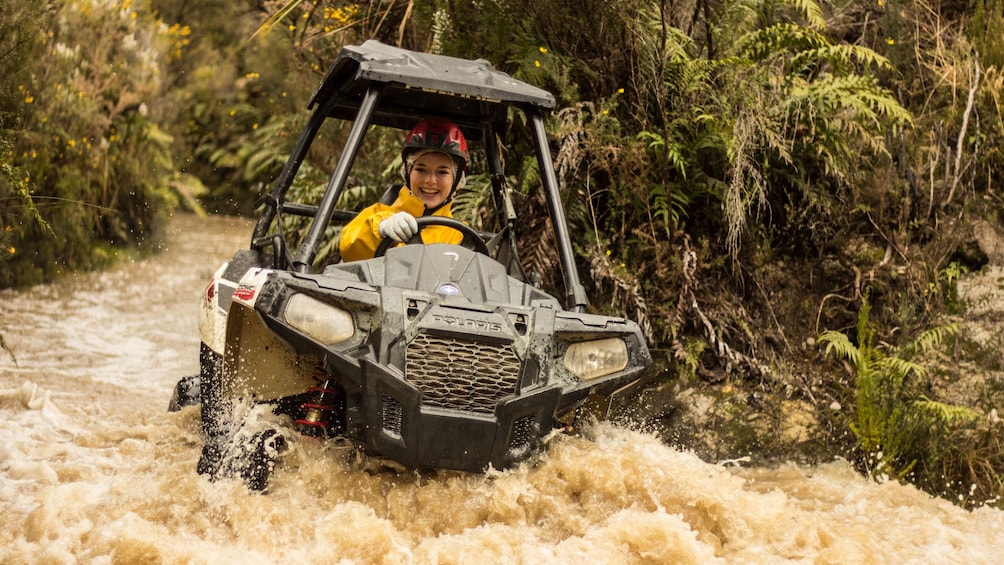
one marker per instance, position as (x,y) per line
(433,356)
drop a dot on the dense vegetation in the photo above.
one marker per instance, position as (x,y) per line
(744,177)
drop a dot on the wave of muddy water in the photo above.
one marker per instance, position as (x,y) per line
(94,470)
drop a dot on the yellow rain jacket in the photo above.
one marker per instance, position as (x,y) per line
(361,236)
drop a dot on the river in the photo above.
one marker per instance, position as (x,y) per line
(93,469)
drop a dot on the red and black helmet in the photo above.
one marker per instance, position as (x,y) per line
(438,135)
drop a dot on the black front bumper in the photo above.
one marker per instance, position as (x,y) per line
(399,427)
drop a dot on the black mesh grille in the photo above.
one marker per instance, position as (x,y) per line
(461,375)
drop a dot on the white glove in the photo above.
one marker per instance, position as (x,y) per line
(400,227)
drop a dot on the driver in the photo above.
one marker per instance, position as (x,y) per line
(433,165)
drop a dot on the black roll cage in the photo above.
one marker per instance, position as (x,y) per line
(376,84)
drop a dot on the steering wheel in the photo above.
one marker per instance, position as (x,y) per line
(471,239)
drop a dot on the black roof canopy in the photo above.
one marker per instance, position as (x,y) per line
(419,85)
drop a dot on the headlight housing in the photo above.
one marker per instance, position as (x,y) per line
(598,358)
(325,323)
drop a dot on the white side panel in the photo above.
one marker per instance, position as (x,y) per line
(216,303)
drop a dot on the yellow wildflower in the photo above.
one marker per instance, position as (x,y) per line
(536,63)
(543,49)
(890,41)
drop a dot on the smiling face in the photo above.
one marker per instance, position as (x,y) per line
(431,178)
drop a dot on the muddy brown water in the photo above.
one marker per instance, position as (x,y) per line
(94,470)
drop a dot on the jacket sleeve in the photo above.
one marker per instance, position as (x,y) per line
(361,236)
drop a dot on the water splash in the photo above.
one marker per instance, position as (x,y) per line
(93,469)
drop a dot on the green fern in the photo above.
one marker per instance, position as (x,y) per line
(775,41)
(671,151)
(818,108)
(887,416)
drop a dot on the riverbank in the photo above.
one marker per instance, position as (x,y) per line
(804,407)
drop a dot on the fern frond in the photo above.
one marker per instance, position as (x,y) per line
(778,39)
(882,102)
(831,95)
(812,12)
(898,368)
(669,150)
(934,336)
(840,57)
(946,413)
(838,344)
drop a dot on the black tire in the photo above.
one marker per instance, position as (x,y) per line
(264,451)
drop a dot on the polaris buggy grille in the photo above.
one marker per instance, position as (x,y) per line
(461,375)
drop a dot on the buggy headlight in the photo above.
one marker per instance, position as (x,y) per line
(325,323)
(594,359)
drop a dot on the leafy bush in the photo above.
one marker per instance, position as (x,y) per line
(89,160)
